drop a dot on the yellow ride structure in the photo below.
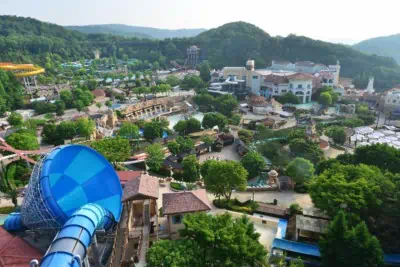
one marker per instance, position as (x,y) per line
(27,72)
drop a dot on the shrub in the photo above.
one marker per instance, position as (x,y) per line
(295,209)
(6,210)
(247,207)
(176,186)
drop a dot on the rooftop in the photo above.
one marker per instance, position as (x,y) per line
(125,176)
(185,202)
(145,186)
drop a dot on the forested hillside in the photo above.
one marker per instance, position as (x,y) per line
(29,40)
(388,46)
(137,31)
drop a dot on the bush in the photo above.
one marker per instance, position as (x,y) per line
(295,209)
(176,186)
(247,207)
(6,210)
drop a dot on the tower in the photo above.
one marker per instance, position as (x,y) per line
(370,88)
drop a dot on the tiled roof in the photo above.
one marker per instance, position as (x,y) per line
(300,76)
(276,79)
(16,252)
(98,93)
(125,176)
(185,202)
(145,186)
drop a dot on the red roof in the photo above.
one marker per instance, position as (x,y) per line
(301,76)
(16,252)
(99,93)
(185,202)
(145,186)
(125,176)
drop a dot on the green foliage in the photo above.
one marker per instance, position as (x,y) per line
(353,122)
(248,207)
(337,134)
(230,242)
(155,157)
(246,136)
(153,130)
(23,141)
(113,149)
(288,98)
(85,127)
(191,169)
(15,119)
(175,253)
(7,210)
(300,170)
(172,80)
(129,130)
(295,209)
(173,147)
(221,177)
(380,155)
(11,90)
(306,149)
(60,108)
(254,163)
(214,119)
(190,82)
(184,127)
(226,104)
(235,119)
(177,186)
(343,246)
(208,139)
(205,102)
(325,99)
(205,71)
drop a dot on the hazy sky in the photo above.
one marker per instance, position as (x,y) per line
(335,20)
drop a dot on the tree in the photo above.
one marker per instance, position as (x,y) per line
(337,134)
(306,149)
(192,82)
(380,155)
(235,119)
(79,105)
(99,105)
(184,127)
(246,136)
(60,108)
(129,130)
(155,157)
(214,119)
(221,177)
(108,103)
(174,253)
(205,101)
(113,149)
(172,80)
(85,127)
(181,127)
(254,163)
(67,130)
(173,147)
(226,104)
(289,98)
(205,71)
(23,141)
(185,144)
(15,119)
(153,130)
(325,99)
(223,240)
(342,246)
(209,140)
(191,169)
(50,134)
(300,170)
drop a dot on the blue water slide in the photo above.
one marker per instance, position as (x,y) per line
(13,222)
(71,243)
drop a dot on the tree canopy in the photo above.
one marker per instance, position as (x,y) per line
(15,119)
(214,119)
(191,169)
(254,163)
(300,170)
(129,130)
(113,149)
(155,157)
(23,140)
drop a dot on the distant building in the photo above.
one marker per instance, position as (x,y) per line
(193,56)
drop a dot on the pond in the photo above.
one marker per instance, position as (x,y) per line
(173,119)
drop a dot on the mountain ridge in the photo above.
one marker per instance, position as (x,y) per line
(137,31)
(388,46)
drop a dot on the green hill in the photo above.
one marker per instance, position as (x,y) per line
(388,46)
(29,40)
(136,31)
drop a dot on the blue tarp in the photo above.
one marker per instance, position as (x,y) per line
(282,225)
(393,259)
(301,248)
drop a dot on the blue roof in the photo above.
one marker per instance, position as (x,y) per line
(392,258)
(301,248)
(75,175)
(282,225)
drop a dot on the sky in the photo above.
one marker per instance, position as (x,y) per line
(345,21)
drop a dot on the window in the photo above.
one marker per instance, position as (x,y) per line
(255,77)
(284,91)
(394,101)
(309,86)
(276,92)
(300,86)
(176,219)
(291,86)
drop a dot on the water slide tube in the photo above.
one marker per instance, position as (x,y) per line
(70,245)
(75,189)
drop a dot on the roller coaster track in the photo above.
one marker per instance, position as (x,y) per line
(21,153)
(22,70)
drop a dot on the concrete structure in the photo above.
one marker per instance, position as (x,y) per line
(370,88)
(192,56)
(390,100)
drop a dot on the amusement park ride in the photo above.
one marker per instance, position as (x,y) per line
(26,72)
(75,191)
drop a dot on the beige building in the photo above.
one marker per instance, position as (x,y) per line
(176,205)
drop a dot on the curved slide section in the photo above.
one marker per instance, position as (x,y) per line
(13,223)
(71,243)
